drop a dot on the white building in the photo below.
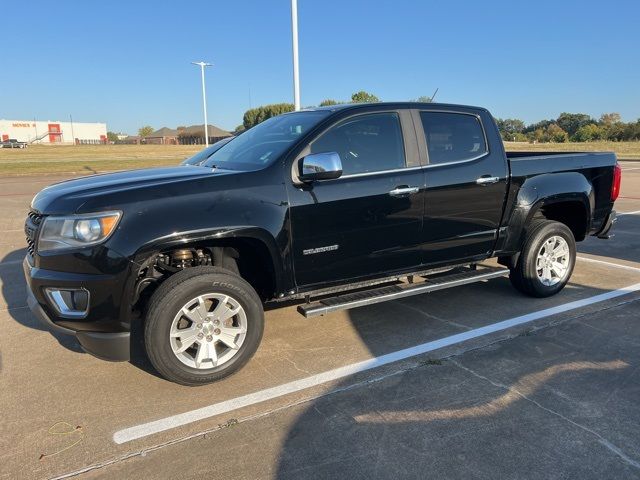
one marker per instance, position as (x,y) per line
(53,132)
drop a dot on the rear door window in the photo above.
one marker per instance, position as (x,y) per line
(452,137)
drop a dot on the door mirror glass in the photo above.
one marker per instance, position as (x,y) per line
(320,166)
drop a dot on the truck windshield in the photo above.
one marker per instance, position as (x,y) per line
(262,144)
(202,155)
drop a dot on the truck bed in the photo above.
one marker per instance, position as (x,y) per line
(523,155)
(532,163)
(596,167)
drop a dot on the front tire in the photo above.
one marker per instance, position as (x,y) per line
(202,324)
(546,261)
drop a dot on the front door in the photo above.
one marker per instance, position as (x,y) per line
(368,221)
(466,187)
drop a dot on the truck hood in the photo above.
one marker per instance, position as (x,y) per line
(68,196)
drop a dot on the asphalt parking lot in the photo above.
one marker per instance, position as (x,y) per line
(488,384)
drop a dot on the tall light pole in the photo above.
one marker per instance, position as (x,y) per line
(204,100)
(296,72)
(72,134)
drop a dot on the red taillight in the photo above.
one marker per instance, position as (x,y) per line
(617,178)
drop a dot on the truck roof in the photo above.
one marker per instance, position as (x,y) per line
(346,106)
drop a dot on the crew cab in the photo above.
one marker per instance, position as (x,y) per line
(332,207)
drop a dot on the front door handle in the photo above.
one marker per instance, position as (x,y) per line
(487,180)
(403,190)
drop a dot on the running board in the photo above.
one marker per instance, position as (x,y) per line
(394,292)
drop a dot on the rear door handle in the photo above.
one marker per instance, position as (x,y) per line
(403,190)
(487,180)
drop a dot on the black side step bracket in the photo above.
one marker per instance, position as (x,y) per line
(394,292)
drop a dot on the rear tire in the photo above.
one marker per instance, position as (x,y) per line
(202,324)
(546,261)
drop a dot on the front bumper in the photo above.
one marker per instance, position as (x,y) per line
(106,345)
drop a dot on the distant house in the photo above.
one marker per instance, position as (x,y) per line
(194,135)
(163,136)
(130,140)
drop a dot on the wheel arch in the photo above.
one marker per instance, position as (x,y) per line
(255,249)
(566,197)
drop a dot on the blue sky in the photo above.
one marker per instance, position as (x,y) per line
(127,63)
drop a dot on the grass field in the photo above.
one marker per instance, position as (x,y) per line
(90,158)
(43,159)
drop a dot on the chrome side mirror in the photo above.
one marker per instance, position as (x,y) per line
(320,166)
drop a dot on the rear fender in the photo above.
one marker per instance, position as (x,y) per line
(538,192)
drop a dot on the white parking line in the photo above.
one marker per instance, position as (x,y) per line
(610,264)
(636,212)
(174,421)
(627,169)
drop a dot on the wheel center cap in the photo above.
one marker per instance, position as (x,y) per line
(207,328)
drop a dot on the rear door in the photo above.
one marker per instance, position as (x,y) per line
(367,222)
(466,185)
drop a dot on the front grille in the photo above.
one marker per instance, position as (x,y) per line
(31,226)
(36,218)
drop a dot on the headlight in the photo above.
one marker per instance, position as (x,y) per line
(75,231)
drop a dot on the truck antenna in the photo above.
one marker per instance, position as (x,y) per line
(434,94)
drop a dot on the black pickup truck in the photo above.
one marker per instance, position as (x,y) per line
(334,207)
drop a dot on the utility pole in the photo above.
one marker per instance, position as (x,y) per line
(204,100)
(296,72)
(73,137)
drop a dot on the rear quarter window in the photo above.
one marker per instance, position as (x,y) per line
(452,137)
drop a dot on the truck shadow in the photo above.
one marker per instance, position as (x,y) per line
(439,418)
(14,293)
(453,421)
(625,245)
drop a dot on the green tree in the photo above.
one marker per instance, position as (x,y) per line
(612,126)
(609,119)
(631,131)
(556,134)
(543,124)
(328,102)
(260,114)
(424,99)
(145,131)
(364,97)
(588,133)
(509,127)
(572,122)
(549,133)
(539,135)
(520,137)
(239,129)
(112,136)
(615,132)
